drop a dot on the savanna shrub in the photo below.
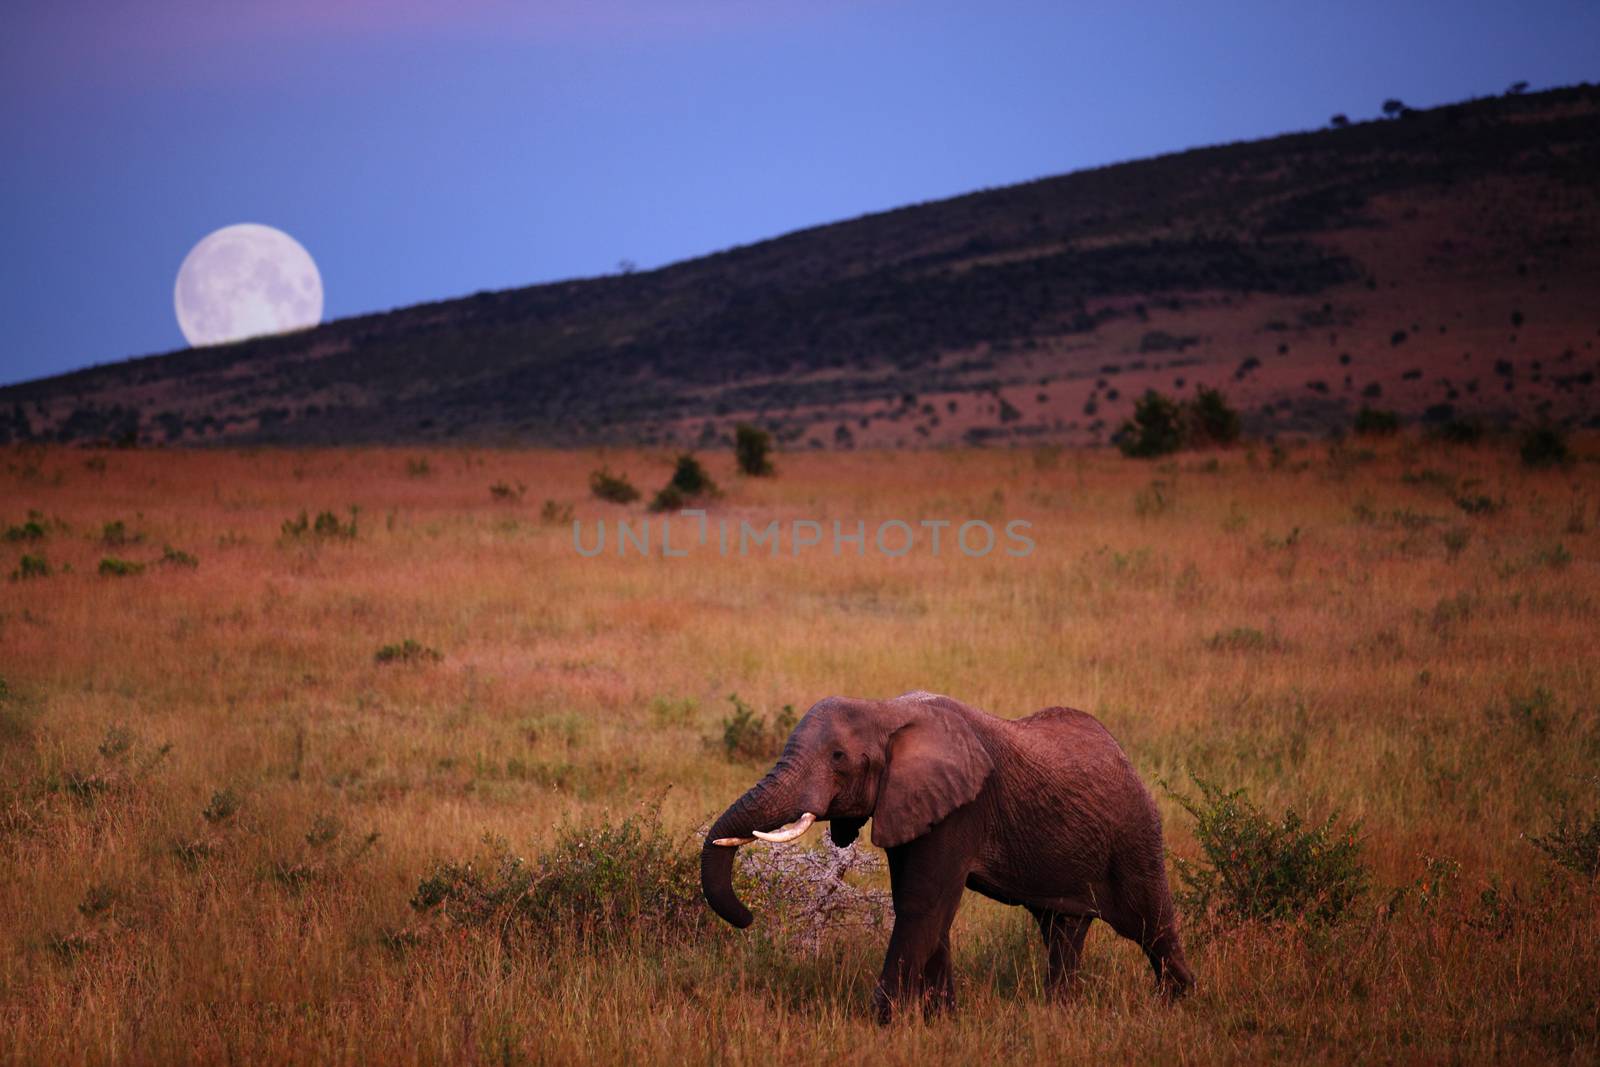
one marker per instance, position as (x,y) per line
(746,735)
(325,526)
(1258,868)
(1545,446)
(31,530)
(112,567)
(690,478)
(1574,843)
(752,447)
(689,481)
(1461,431)
(1161,425)
(224,805)
(115,534)
(31,567)
(1372,422)
(407,651)
(668,498)
(1477,504)
(554,513)
(1156,428)
(614,488)
(604,881)
(1210,421)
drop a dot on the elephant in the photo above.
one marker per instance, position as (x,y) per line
(1045,812)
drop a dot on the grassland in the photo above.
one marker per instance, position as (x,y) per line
(194,758)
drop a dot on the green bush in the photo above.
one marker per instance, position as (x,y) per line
(1574,843)
(689,481)
(224,805)
(1161,425)
(325,526)
(746,735)
(1545,446)
(555,514)
(668,498)
(115,534)
(112,567)
(752,447)
(1156,428)
(605,882)
(612,487)
(31,567)
(407,651)
(1258,868)
(177,557)
(690,478)
(31,530)
(1464,431)
(1371,422)
(1210,421)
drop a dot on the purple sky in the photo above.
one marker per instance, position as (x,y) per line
(424,150)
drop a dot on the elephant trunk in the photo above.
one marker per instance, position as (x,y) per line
(769,804)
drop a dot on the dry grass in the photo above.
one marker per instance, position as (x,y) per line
(1310,630)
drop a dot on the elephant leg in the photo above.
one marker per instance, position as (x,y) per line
(1063,939)
(926,884)
(938,981)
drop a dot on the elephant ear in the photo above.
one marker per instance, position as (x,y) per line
(935,765)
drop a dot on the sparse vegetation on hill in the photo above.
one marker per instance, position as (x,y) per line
(1168,267)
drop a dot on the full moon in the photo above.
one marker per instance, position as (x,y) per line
(244,281)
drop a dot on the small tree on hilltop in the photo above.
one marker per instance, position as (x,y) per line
(1210,420)
(1393,107)
(689,481)
(752,447)
(1156,428)
(1545,446)
(1161,425)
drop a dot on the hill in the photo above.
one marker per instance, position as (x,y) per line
(1442,264)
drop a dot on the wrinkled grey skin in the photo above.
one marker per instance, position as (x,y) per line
(1044,812)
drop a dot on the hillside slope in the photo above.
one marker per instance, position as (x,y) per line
(1446,263)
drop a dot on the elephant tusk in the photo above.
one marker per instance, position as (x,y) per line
(790,832)
(732,842)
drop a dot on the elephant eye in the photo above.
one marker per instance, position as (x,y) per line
(838,756)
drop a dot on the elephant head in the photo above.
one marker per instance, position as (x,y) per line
(905,763)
